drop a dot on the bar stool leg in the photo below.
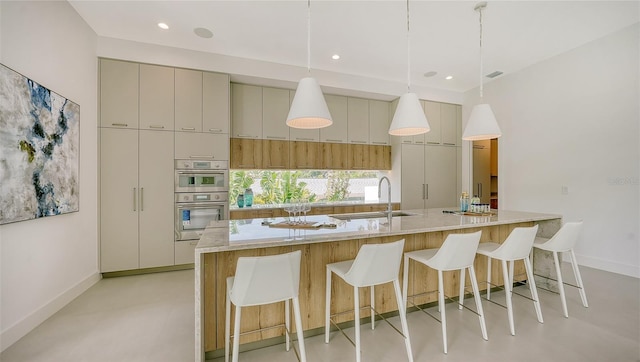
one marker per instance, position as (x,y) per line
(443,314)
(403,319)
(373,305)
(356,303)
(287,324)
(227,329)
(534,290)
(327,307)
(462,282)
(511,263)
(476,296)
(299,331)
(488,277)
(507,293)
(576,272)
(236,335)
(560,284)
(405,283)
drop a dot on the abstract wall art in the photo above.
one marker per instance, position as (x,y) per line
(39,150)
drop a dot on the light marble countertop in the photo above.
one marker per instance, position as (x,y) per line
(234,207)
(251,233)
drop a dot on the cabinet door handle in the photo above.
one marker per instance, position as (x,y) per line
(433,143)
(406,141)
(331,140)
(215,130)
(423,192)
(200,156)
(354,141)
(135,197)
(304,139)
(120,124)
(156,126)
(379,143)
(188,128)
(419,142)
(142,199)
(427,192)
(448,144)
(247,136)
(276,138)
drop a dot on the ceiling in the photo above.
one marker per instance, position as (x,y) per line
(370,36)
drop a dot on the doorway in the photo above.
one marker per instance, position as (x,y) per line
(485,171)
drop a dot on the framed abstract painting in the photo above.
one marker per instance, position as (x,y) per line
(39,150)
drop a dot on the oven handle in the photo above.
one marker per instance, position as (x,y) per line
(199,205)
(194,172)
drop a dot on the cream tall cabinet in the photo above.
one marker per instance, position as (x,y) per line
(136,199)
(429,176)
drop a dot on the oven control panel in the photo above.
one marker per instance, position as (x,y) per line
(202,197)
(201,165)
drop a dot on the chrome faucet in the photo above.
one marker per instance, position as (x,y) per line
(389,194)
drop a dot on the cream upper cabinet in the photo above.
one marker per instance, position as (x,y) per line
(275,109)
(379,122)
(188,93)
(246,111)
(189,145)
(432,112)
(215,102)
(297,134)
(358,120)
(156,97)
(118,94)
(448,124)
(337,132)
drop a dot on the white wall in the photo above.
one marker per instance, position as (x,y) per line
(573,120)
(47,262)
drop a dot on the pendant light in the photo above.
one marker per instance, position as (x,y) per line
(482,124)
(409,119)
(309,109)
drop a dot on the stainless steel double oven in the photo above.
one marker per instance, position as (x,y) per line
(201,197)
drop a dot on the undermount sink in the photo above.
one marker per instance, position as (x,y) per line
(370,215)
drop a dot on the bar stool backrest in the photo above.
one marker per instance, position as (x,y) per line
(266,279)
(565,238)
(376,264)
(457,252)
(518,244)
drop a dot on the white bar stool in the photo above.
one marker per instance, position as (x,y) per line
(456,253)
(375,264)
(564,241)
(517,246)
(264,280)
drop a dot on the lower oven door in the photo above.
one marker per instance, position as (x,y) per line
(193,218)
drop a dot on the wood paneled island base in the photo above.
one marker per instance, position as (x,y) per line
(219,250)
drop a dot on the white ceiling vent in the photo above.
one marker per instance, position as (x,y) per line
(494,74)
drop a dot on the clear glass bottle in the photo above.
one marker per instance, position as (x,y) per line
(464,202)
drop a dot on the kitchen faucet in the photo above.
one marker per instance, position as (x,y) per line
(389,194)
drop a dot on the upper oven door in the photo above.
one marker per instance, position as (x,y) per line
(202,181)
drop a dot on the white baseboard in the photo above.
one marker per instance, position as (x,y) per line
(608,265)
(12,334)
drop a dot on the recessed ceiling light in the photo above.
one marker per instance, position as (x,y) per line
(430,74)
(163,26)
(203,33)
(449,77)
(335,57)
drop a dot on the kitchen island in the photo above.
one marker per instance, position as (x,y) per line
(219,249)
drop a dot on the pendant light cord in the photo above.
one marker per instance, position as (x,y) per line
(408,52)
(309,37)
(481,70)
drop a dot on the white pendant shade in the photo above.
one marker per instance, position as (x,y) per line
(482,124)
(409,119)
(309,109)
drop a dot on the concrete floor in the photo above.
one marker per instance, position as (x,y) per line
(150,318)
